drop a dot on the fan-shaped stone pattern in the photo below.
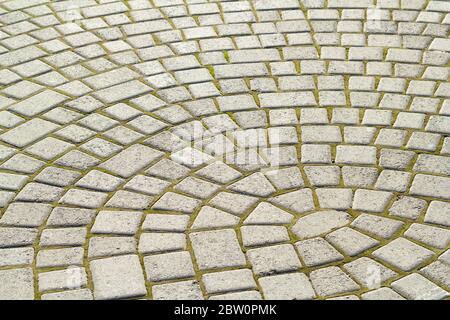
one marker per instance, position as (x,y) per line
(180,149)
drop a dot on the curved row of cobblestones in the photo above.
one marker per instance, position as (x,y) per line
(194,149)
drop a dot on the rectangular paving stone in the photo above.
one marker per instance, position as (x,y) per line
(217,249)
(28,132)
(20,56)
(17,237)
(431,186)
(111,78)
(118,278)
(240,70)
(287,99)
(220,282)
(16,256)
(131,160)
(276,5)
(70,278)
(356,155)
(41,102)
(122,91)
(104,10)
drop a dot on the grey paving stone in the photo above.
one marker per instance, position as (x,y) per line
(116,222)
(298,201)
(209,217)
(75,236)
(17,284)
(185,290)
(319,223)
(317,251)
(416,287)
(118,277)
(25,214)
(17,237)
(244,295)
(332,280)
(168,266)
(351,242)
(263,235)
(111,246)
(28,132)
(292,286)
(70,278)
(217,249)
(378,226)
(81,294)
(226,281)
(273,259)
(131,160)
(382,294)
(250,118)
(368,272)
(432,236)
(403,254)
(438,212)
(16,256)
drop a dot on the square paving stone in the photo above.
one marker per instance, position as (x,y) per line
(368,272)
(403,254)
(331,281)
(168,266)
(292,286)
(274,259)
(217,249)
(407,207)
(118,278)
(438,272)
(351,242)
(17,284)
(438,213)
(317,251)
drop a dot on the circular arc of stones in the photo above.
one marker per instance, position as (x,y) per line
(224,150)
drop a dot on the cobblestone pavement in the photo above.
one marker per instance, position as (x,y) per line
(194,149)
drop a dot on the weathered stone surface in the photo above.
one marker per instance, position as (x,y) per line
(141,141)
(118,277)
